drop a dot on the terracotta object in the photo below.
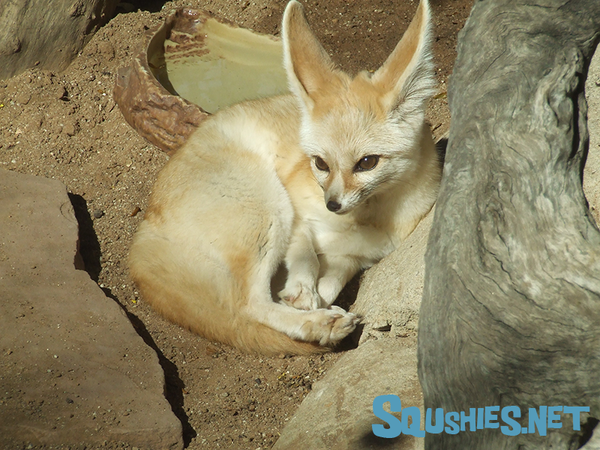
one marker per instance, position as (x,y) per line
(191,66)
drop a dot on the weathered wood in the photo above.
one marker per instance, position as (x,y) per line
(511,306)
(47,33)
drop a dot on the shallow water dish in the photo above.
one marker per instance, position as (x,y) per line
(192,66)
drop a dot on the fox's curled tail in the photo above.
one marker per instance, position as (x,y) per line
(205,302)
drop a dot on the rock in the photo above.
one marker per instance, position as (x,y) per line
(509,312)
(73,370)
(106,50)
(33,34)
(591,175)
(390,292)
(338,413)
(70,127)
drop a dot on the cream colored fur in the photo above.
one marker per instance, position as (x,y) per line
(249,192)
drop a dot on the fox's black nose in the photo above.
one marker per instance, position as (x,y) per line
(333,206)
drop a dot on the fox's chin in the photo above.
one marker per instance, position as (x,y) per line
(343,212)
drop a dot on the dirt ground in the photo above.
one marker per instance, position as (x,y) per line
(67,126)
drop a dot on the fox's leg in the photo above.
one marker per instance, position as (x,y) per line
(326,326)
(303,270)
(336,271)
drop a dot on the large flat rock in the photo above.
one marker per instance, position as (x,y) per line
(72,368)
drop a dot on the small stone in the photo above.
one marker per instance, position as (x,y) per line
(23,98)
(58,92)
(70,128)
(106,49)
(98,213)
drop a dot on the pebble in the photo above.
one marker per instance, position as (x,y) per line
(70,128)
(23,98)
(98,213)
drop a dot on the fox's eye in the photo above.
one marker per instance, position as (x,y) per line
(320,164)
(366,163)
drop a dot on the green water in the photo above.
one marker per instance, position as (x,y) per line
(240,65)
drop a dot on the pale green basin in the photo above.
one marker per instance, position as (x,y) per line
(221,65)
(191,66)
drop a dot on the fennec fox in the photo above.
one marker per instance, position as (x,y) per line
(328,180)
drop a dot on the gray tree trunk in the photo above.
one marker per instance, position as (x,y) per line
(511,305)
(48,33)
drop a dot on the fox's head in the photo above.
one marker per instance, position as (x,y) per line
(362,134)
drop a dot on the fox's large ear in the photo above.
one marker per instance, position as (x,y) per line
(309,68)
(407,77)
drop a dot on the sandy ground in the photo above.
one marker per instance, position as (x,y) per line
(67,126)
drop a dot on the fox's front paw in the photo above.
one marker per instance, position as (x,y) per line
(331,326)
(300,296)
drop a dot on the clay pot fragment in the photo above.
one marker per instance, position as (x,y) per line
(190,67)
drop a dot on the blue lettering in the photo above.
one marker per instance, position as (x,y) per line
(470,419)
(480,418)
(510,422)
(553,417)
(538,421)
(491,419)
(439,421)
(395,426)
(415,428)
(451,419)
(576,418)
